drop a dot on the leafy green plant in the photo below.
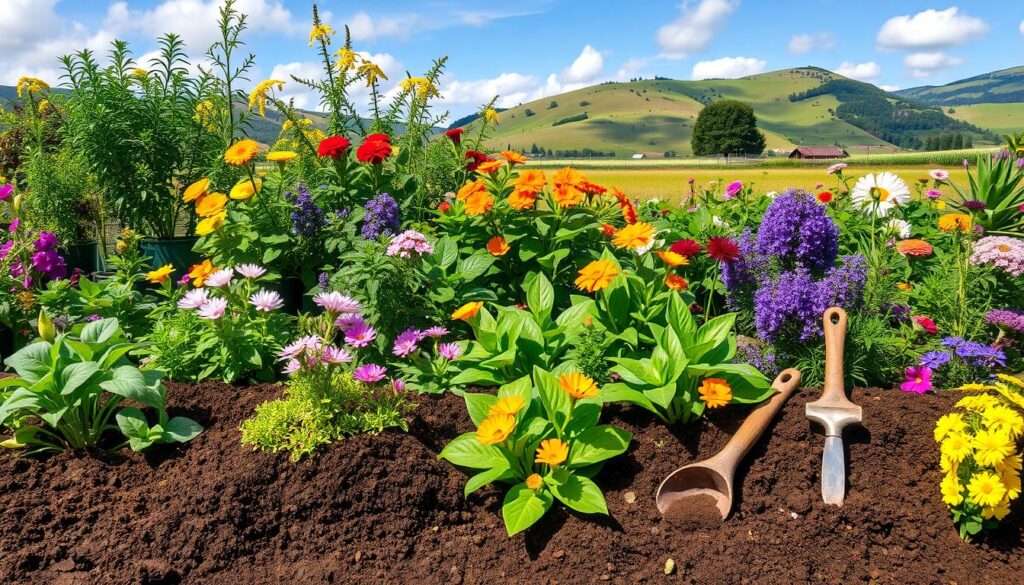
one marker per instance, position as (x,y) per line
(68,390)
(539,435)
(684,357)
(997,183)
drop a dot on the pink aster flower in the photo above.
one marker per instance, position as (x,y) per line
(220,278)
(369,373)
(407,242)
(449,351)
(919,380)
(836,168)
(266,300)
(933,193)
(193,299)
(292,366)
(336,355)
(346,321)
(213,309)
(435,332)
(360,335)
(292,350)
(939,174)
(14,225)
(251,271)
(335,302)
(1002,252)
(398,385)
(732,190)
(405,342)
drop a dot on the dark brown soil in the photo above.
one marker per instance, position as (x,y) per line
(694,513)
(383,509)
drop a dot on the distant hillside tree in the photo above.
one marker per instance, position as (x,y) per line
(727,127)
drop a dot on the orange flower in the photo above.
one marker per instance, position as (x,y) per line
(568,176)
(607,230)
(715,392)
(905,286)
(160,274)
(479,203)
(597,275)
(534,481)
(567,195)
(914,248)
(508,405)
(513,158)
(955,221)
(471,188)
(210,205)
(628,210)
(467,311)
(675,282)
(489,166)
(552,452)
(532,181)
(591,188)
(637,235)
(241,152)
(495,429)
(196,190)
(578,385)
(521,200)
(497,246)
(671,258)
(198,273)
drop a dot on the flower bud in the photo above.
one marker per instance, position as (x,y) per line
(45,325)
(16,204)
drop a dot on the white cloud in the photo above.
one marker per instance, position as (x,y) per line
(925,64)
(630,69)
(930,29)
(586,67)
(805,43)
(860,71)
(695,27)
(366,28)
(727,68)
(1021,27)
(885,87)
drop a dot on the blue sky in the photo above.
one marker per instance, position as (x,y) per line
(533,48)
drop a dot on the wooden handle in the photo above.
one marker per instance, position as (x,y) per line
(834,393)
(758,420)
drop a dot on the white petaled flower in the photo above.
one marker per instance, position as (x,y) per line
(336,355)
(899,227)
(292,366)
(213,309)
(939,174)
(266,300)
(336,302)
(719,221)
(193,299)
(771,194)
(251,270)
(220,278)
(879,193)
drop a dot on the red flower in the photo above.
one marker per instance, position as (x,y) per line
(927,324)
(374,149)
(723,249)
(825,196)
(686,248)
(607,230)
(475,158)
(455,135)
(333,146)
(444,207)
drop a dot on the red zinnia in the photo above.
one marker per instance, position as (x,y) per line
(374,149)
(723,249)
(607,230)
(686,248)
(455,135)
(444,207)
(825,196)
(927,324)
(475,158)
(333,146)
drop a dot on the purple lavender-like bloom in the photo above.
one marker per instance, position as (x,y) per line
(974,205)
(1006,319)
(748,269)
(369,373)
(381,217)
(307,217)
(449,351)
(977,354)
(796,230)
(324,281)
(935,359)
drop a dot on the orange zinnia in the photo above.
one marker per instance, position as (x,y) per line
(534,481)
(210,205)
(567,195)
(470,188)
(597,275)
(467,311)
(489,166)
(513,158)
(675,282)
(532,180)
(568,176)
(633,236)
(552,452)
(914,248)
(196,190)
(495,429)
(497,246)
(198,273)
(521,200)
(607,230)
(479,203)
(578,385)
(671,258)
(715,392)
(241,152)
(955,221)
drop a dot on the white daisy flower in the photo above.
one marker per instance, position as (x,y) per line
(879,193)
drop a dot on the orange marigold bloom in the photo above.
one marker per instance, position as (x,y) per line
(242,152)
(196,190)
(628,209)
(495,429)
(507,405)
(905,286)
(212,204)
(489,166)
(591,188)
(676,282)
(914,248)
(552,452)
(597,275)
(568,176)
(633,236)
(479,203)
(198,273)
(467,311)
(470,188)
(715,392)
(567,195)
(521,200)
(497,246)
(955,221)
(534,481)
(532,180)
(160,274)
(671,258)
(578,385)
(513,158)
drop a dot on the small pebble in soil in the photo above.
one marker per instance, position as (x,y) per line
(694,513)
(670,566)
(629,497)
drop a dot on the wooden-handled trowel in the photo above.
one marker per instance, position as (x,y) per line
(833,410)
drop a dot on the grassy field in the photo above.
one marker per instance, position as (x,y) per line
(999,118)
(671,184)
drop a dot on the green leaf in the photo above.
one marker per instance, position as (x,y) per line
(182,430)
(580,494)
(484,478)
(557,403)
(662,395)
(32,361)
(523,507)
(619,392)
(75,375)
(20,399)
(681,320)
(467,451)
(540,297)
(130,383)
(597,444)
(714,332)
(99,331)
(475,265)
(636,372)
(477,405)
(133,423)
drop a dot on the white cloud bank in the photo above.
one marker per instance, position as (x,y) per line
(727,68)
(694,28)
(930,29)
(860,71)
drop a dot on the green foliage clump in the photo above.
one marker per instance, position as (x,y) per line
(727,127)
(589,350)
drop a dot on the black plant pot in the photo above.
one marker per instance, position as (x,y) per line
(176,251)
(84,256)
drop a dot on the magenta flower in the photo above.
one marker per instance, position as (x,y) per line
(405,342)
(919,380)
(435,332)
(346,321)
(193,299)
(335,302)
(398,385)
(369,373)
(449,351)
(733,189)
(933,193)
(14,225)
(251,271)
(360,335)
(213,309)
(266,300)
(6,191)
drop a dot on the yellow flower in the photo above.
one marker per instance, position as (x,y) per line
(948,465)
(479,203)
(495,429)
(211,204)
(977,403)
(139,72)
(1011,480)
(241,152)
(950,423)
(534,482)
(282,156)
(211,224)
(244,190)
(715,392)
(985,489)
(905,286)
(633,236)
(507,405)
(955,221)
(497,246)
(513,158)
(321,32)
(44,106)
(1004,420)
(196,190)
(27,85)
(491,116)
(999,511)
(198,273)
(258,96)
(204,115)
(991,447)
(952,491)
(552,452)
(423,87)
(160,274)
(467,311)
(671,258)
(346,58)
(940,205)
(578,385)
(1011,463)
(956,447)
(371,72)
(597,275)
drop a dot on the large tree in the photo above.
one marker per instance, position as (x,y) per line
(727,127)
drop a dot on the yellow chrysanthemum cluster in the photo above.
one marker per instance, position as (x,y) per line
(979,451)
(321,32)
(423,87)
(27,85)
(204,115)
(260,94)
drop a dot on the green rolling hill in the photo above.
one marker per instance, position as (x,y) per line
(997,87)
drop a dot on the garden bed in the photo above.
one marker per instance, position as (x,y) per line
(382,509)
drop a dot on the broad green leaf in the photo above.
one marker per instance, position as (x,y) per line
(99,331)
(540,297)
(20,399)
(523,507)
(75,375)
(557,402)
(484,478)
(32,361)
(467,451)
(130,383)
(133,423)
(182,430)
(475,265)
(636,372)
(716,330)
(584,416)
(681,320)
(477,405)
(597,444)
(662,395)
(619,392)
(473,375)
(580,494)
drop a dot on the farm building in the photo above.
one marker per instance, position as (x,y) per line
(639,156)
(818,152)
